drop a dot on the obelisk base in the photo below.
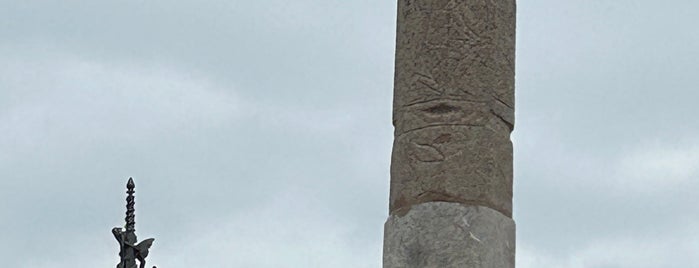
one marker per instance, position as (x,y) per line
(443,234)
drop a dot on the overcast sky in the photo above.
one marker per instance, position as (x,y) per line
(259,132)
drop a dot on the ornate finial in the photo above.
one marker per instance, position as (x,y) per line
(129,250)
(130,210)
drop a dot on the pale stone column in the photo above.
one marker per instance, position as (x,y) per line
(453,112)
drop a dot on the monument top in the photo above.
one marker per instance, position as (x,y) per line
(129,249)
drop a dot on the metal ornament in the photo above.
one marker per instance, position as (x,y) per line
(129,249)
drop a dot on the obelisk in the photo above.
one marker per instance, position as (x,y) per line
(453,112)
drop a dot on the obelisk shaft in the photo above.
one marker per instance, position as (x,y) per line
(453,112)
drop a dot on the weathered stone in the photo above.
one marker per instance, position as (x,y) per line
(454,50)
(453,105)
(443,235)
(494,115)
(464,164)
(453,112)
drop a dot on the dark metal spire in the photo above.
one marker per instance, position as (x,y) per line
(129,250)
(130,209)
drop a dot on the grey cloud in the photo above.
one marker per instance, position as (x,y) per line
(259,131)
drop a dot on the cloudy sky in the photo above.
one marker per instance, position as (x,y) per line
(259,132)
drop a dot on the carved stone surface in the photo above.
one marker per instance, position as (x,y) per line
(453,112)
(464,164)
(443,235)
(454,50)
(453,105)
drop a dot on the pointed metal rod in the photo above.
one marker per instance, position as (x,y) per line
(129,249)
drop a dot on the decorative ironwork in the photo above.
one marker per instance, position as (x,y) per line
(129,249)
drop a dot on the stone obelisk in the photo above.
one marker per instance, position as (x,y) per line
(453,112)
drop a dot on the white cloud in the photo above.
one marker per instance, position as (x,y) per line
(285,232)
(56,103)
(658,166)
(64,101)
(664,248)
(529,257)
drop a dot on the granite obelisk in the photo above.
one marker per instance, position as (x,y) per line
(453,112)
